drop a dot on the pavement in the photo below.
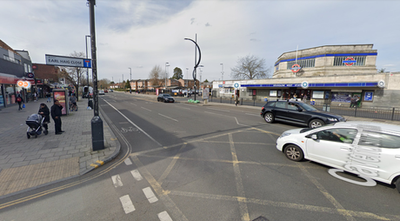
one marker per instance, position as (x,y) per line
(31,163)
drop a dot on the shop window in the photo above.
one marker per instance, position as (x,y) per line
(318,95)
(304,63)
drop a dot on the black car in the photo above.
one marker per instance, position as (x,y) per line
(165,98)
(297,112)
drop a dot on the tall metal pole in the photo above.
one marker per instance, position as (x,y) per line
(166,64)
(97,123)
(87,71)
(130,78)
(196,63)
(222,72)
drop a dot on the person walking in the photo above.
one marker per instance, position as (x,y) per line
(48,95)
(19,100)
(45,112)
(56,115)
(72,101)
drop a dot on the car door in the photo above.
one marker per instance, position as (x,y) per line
(280,110)
(377,155)
(295,113)
(332,146)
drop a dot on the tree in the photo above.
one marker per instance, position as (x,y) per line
(382,70)
(104,83)
(206,81)
(250,67)
(177,74)
(74,74)
(155,76)
(127,84)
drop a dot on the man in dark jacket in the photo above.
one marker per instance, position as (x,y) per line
(44,111)
(19,100)
(56,115)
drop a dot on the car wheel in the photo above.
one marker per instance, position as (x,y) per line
(398,184)
(293,152)
(269,117)
(316,123)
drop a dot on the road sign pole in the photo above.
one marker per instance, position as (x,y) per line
(97,123)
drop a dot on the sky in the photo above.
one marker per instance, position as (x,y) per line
(142,34)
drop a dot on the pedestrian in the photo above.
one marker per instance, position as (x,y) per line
(45,112)
(34,96)
(48,95)
(305,98)
(56,115)
(19,100)
(72,101)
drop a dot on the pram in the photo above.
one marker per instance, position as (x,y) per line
(35,125)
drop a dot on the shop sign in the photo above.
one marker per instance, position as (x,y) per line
(368,96)
(296,68)
(349,61)
(24,84)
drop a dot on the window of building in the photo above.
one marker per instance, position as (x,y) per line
(304,63)
(341,60)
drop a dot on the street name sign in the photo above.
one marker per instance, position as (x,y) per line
(68,61)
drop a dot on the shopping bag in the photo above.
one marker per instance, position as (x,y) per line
(23,105)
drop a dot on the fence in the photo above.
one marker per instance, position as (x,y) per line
(390,113)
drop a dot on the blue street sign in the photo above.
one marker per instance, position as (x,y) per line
(87,63)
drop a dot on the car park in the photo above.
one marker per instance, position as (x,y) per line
(368,149)
(165,98)
(297,112)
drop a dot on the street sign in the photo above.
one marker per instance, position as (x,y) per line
(349,61)
(68,61)
(236,85)
(30,75)
(296,68)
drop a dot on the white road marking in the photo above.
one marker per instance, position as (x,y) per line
(146,109)
(144,132)
(163,216)
(218,109)
(134,104)
(150,195)
(168,117)
(128,161)
(136,175)
(117,181)
(127,204)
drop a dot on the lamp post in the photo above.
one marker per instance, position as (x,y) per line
(130,78)
(96,123)
(87,72)
(222,72)
(166,65)
(201,72)
(196,64)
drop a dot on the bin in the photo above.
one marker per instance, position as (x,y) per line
(265,99)
(90,103)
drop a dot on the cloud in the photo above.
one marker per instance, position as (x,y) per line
(208,24)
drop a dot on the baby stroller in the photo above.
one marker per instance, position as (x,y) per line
(35,125)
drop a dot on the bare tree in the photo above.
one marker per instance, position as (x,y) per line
(250,67)
(155,76)
(74,74)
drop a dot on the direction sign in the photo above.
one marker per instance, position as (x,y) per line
(349,61)
(68,61)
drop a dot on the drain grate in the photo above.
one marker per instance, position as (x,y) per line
(260,218)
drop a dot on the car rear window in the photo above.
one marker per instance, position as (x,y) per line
(270,104)
(375,139)
(280,104)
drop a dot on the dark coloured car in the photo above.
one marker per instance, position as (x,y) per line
(297,112)
(165,98)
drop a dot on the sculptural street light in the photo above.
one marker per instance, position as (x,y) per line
(196,64)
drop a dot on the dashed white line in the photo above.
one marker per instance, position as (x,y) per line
(127,204)
(218,109)
(168,117)
(117,181)
(150,195)
(136,175)
(163,216)
(146,109)
(128,161)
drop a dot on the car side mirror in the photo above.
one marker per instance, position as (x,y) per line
(300,110)
(313,136)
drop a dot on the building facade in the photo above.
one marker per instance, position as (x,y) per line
(331,74)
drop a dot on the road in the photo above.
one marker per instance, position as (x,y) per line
(189,162)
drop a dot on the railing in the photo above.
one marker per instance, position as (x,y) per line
(389,113)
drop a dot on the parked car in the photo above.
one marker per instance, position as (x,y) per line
(101,92)
(297,112)
(165,98)
(368,149)
(111,90)
(105,91)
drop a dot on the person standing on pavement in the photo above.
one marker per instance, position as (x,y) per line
(19,100)
(44,111)
(56,115)
(48,95)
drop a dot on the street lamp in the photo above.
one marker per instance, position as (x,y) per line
(166,65)
(222,72)
(196,64)
(130,78)
(201,72)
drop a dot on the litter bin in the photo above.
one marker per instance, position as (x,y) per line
(265,99)
(90,103)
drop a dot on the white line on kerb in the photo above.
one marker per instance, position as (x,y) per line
(128,161)
(163,216)
(140,129)
(136,175)
(117,181)
(127,204)
(150,195)
(168,117)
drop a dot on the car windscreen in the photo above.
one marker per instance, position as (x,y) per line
(167,95)
(307,107)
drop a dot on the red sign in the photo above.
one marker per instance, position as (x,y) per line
(349,61)
(296,68)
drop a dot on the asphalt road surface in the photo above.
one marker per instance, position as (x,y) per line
(184,161)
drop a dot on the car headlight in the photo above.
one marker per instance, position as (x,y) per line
(284,134)
(333,119)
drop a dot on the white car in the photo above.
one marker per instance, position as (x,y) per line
(101,92)
(368,149)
